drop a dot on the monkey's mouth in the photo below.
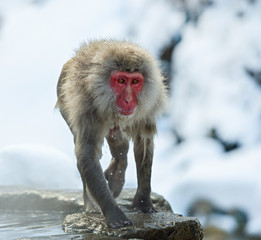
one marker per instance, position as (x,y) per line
(125,112)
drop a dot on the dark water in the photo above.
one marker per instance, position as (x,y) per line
(33,225)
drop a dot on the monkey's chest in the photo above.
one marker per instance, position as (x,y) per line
(119,133)
(114,131)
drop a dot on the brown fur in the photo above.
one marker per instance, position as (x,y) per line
(87,103)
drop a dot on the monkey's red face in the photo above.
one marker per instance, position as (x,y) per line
(126,86)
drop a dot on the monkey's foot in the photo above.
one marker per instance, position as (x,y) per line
(115,218)
(143,203)
(115,175)
(92,207)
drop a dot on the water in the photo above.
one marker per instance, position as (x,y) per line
(33,225)
(39,214)
(39,225)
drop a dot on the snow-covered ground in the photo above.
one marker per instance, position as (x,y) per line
(211,90)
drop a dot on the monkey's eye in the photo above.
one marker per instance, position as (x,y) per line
(135,81)
(121,80)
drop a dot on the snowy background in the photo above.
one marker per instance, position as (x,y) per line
(208,147)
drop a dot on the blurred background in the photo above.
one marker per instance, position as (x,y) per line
(208,149)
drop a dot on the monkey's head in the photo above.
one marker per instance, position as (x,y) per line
(124,79)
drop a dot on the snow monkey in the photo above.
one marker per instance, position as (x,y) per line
(114,90)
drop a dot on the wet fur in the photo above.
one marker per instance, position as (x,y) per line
(87,103)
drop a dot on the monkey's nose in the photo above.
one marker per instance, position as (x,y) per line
(128,97)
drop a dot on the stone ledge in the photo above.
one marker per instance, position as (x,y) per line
(161,225)
(155,226)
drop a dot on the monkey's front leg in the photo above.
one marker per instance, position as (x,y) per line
(88,162)
(143,151)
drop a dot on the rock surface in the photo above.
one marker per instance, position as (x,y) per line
(160,225)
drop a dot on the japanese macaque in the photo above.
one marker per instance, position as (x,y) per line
(112,89)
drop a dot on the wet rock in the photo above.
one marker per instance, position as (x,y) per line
(160,225)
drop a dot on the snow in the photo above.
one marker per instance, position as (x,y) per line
(199,169)
(37,167)
(216,81)
(211,90)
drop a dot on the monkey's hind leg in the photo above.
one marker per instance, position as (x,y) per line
(143,151)
(115,173)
